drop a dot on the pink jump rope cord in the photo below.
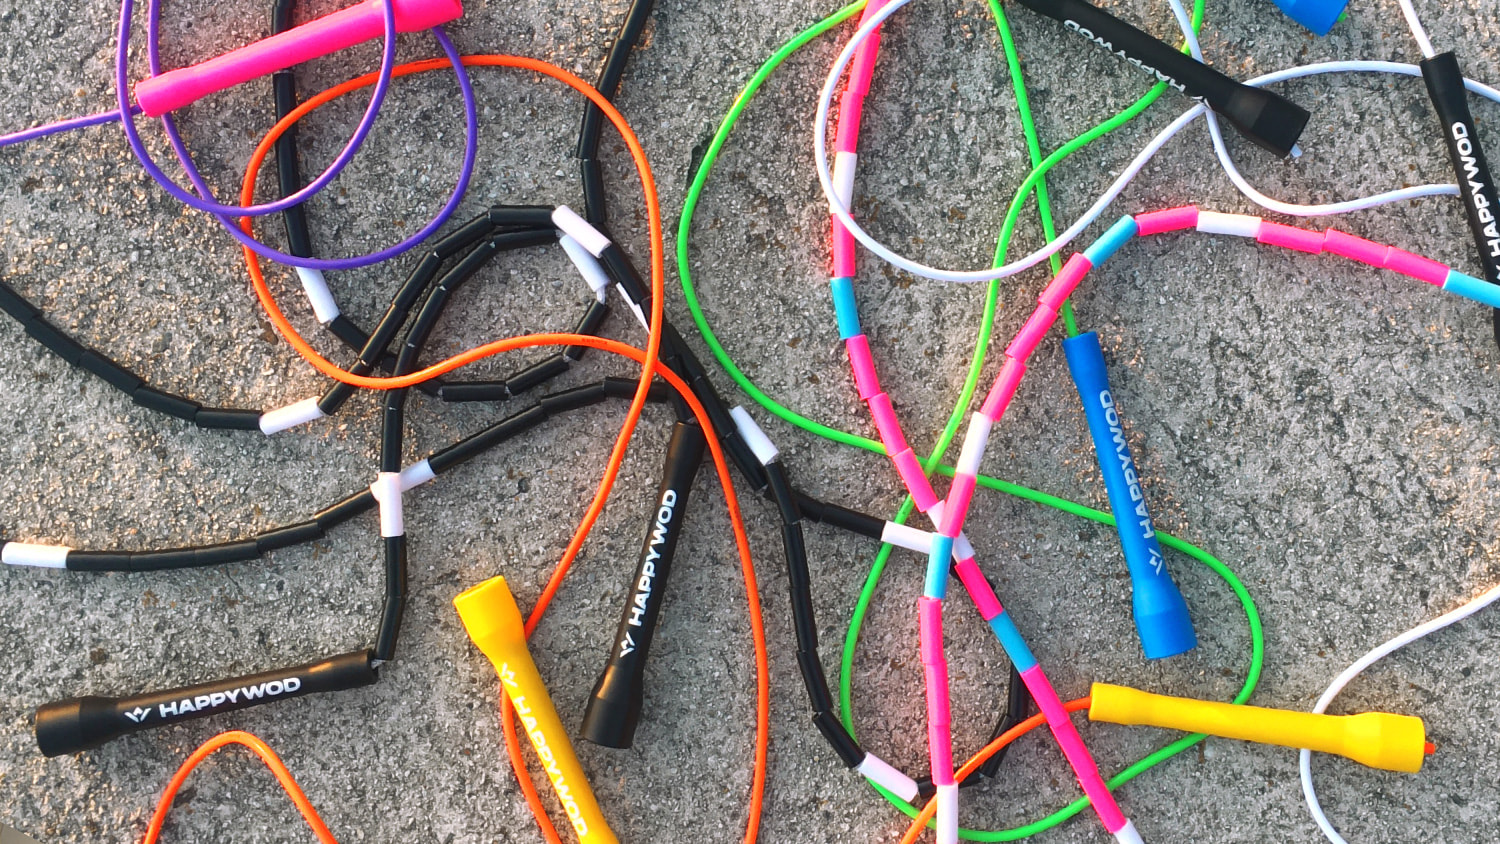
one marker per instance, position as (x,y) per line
(908,466)
(949,515)
(1274,234)
(159,95)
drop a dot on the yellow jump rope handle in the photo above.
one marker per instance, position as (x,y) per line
(490,614)
(1378,739)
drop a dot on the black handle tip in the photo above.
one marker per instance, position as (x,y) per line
(613,711)
(74,725)
(1266,118)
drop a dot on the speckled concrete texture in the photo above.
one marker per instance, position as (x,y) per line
(1325,429)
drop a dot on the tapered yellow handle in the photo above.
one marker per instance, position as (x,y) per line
(490,614)
(1378,739)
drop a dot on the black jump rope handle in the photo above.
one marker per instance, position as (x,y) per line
(1445,86)
(1263,117)
(82,723)
(614,707)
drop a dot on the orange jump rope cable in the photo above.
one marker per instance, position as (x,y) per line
(919,823)
(637,405)
(762,685)
(647,358)
(266,754)
(752,597)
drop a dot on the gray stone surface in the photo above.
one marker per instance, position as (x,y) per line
(1326,430)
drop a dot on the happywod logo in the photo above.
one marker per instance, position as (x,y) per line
(10,836)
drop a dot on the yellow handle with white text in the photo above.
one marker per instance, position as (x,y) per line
(493,620)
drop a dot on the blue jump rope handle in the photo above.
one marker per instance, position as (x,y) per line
(1161,616)
(1319,16)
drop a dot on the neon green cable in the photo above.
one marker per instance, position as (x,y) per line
(684,228)
(1033,151)
(700,178)
(1034,180)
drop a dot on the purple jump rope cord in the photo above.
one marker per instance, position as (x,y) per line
(222,211)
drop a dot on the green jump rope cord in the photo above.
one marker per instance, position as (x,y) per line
(1033,181)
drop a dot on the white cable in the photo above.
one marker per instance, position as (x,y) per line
(841,210)
(1332,208)
(1215,130)
(1304,759)
(1185,23)
(1221,150)
(1423,42)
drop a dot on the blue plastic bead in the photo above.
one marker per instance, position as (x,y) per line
(937,567)
(844,307)
(1110,242)
(1011,641)
(1470,287)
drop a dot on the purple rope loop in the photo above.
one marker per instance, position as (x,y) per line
(223,212)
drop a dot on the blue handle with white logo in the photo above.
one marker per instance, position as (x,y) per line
(1161,616)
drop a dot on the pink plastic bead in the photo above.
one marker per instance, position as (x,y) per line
(332,32)
(917,484)
(843,249)
(851,108)
(980,593)
(863,65)
(1073,747)
(865,379)
(1066,281)
(939,733)
(1290,237)
(1170,220)
(886,423)
(1422,269)
(935,669)
(930,621)
(1031,334)
(864,70)
(1006,383)
(956,507)
(1357,248)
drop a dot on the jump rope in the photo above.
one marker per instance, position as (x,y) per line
(1303,244)
(791,505)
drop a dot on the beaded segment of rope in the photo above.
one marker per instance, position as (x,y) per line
(949,546)
(827,511)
